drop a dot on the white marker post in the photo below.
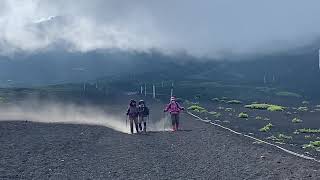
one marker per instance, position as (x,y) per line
(264,79)
(141,90)
(319,59)
(145,89)
(171,89)
(154,91)
(273,78)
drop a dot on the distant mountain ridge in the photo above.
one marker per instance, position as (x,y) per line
(298,70)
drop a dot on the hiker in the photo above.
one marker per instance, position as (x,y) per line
(143,114)
(132,112)
(174,109)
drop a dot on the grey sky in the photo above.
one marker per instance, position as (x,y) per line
(202,28)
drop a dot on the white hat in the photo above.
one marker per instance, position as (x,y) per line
(172,98)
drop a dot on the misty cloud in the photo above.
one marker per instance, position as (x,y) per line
(200,28)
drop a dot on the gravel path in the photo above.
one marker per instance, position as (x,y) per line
(200,151)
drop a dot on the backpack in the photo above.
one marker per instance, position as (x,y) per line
(132,111)
(174,107)
(146,111)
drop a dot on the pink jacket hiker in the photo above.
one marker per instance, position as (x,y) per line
(173,107)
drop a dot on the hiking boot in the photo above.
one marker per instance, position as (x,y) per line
(145,127)
(174,128)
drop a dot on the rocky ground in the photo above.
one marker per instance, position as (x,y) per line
(281,124)
(200,151)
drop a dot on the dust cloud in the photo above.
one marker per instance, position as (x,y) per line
(54,112)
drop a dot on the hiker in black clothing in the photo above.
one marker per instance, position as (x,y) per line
(132,112)
(143,114)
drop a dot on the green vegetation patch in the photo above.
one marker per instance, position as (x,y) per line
(215,99)
(228,109)
(224,98)
(273,108)
(191,103)
(279,138)
(257,106)
(283,136)
(288,94)
(234,102)
(220,108)
(243,115)
(309,130)
(269,107)
(266,128)
(313,145)
(2,99)
(307,137)
(296,120)
(296,132)
(215,114)
(302,109)
(305,102)
(262,118)
(197,108)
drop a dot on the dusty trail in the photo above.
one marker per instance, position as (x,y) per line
(60,151)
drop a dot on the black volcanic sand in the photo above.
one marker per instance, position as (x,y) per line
(200,151)
(282,123)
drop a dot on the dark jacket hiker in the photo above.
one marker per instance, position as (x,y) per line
(143,114)
(132,112)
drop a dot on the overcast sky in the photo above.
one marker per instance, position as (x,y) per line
(201,28)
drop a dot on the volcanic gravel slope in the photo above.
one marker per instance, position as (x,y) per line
(200,151)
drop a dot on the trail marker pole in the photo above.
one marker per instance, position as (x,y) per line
(154,91)
(145,89)
(319,59)
(172,85)
(273,78)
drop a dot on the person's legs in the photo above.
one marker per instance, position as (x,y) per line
(145,126)
(140,119)
(136,124)
(173,121)
(143,120)
(177,122)
(131,124)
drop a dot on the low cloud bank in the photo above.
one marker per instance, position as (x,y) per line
(199,28)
